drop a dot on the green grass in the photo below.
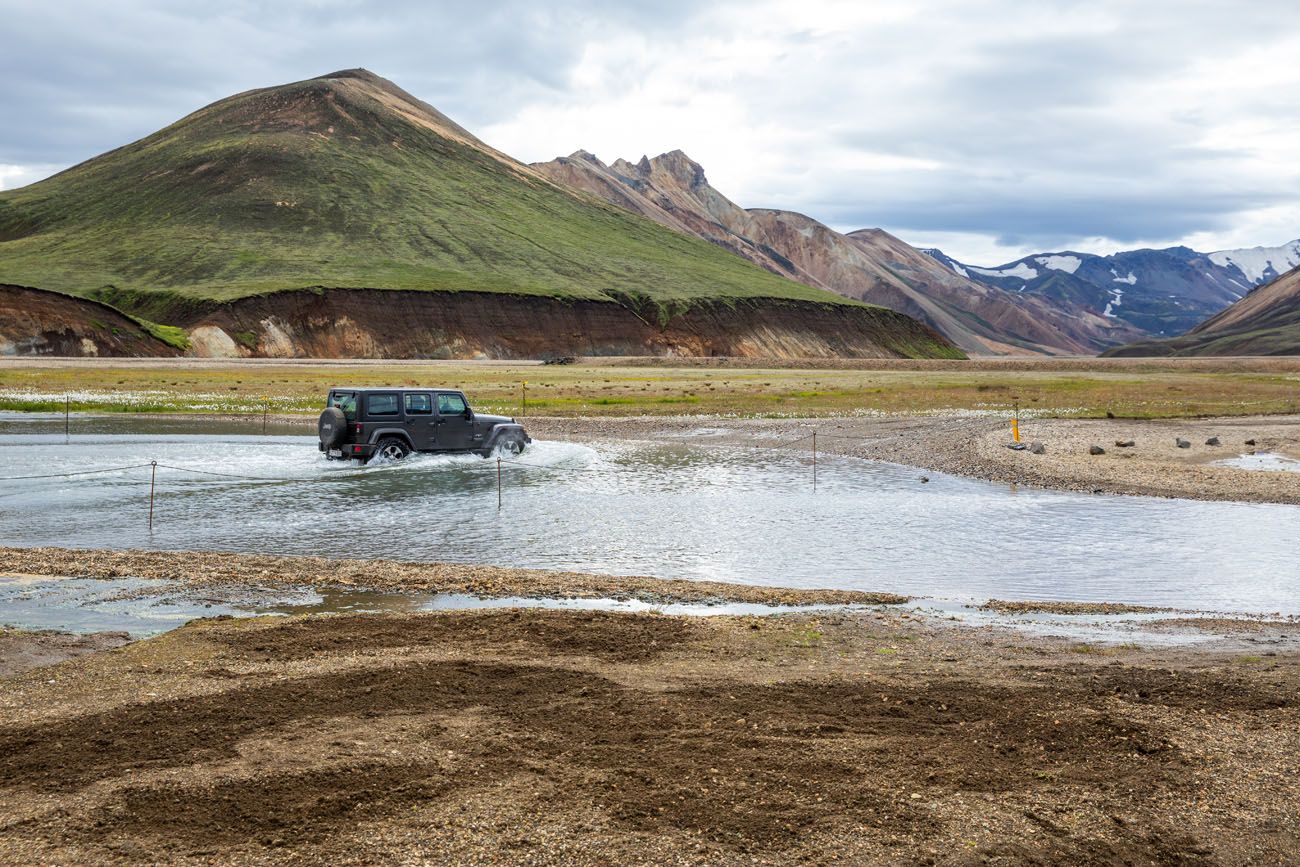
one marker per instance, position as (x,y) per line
(309,185)
(170,334)
(1267,387)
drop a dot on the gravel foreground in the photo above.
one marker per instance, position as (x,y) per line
(550,737)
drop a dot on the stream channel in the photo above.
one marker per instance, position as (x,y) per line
(634,508)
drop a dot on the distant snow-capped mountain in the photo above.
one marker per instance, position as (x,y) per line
(1261,264)
(1163,292)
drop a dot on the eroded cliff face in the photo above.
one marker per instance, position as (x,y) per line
(370,323)
(36,322)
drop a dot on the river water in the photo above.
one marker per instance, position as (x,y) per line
(666,510)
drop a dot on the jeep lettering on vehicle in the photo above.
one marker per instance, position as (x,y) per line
(364,423)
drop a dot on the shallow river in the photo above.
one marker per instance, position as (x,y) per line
(680,511)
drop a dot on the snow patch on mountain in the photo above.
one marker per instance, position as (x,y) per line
(1117,298)
(1021,270)
(1131,279)
(1068,264)
(1260,263)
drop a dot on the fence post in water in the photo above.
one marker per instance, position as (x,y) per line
(153,476)
(67,424)
(265,410)
(498,484)
(523,399)
(814,460)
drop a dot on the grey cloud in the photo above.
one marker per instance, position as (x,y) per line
(82,77)
(1042,138)
(1029,108)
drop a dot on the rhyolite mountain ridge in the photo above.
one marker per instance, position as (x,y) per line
(870,264)
(1162,292)
(1265,322)
(341,216)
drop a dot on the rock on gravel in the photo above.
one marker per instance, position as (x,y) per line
(21,651)
(1096,450)
(1212,441)
(1182,443)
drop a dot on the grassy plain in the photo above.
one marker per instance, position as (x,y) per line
(1043,388)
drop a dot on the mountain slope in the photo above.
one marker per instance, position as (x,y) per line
(1162,292)
(1265,322)
(348,182)
(869,265)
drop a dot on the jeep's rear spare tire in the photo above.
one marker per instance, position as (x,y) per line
(332,426)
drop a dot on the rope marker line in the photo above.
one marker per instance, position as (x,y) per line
(70,475)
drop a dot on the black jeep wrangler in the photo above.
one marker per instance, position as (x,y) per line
(359,423)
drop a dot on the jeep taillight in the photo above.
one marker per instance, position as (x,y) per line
(357,429)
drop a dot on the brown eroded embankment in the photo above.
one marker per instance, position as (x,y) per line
(35,322)
(373,323)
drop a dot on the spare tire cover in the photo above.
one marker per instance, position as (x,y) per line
(331,426)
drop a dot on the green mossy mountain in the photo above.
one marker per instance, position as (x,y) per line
(343,181)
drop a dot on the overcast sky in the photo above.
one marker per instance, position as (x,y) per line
(991,129)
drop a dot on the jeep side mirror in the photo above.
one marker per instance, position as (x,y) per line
(469,413)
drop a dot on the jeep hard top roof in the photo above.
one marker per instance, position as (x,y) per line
(368,388)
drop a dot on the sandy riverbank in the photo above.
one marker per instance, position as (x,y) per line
(199,569)
(977,447)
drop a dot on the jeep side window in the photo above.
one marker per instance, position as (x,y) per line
(382,404)
(451,404)
(419,404)
(346,401)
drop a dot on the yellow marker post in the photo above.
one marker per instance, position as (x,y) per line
(1015,430)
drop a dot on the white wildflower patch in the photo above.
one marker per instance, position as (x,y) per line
(144,401)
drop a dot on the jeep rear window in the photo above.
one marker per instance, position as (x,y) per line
(451,404)
(346,401)
(382,404)
(419,404)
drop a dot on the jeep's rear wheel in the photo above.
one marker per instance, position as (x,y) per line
(392,449)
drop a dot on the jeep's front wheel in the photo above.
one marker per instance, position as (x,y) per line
(511,445)
(392,449)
